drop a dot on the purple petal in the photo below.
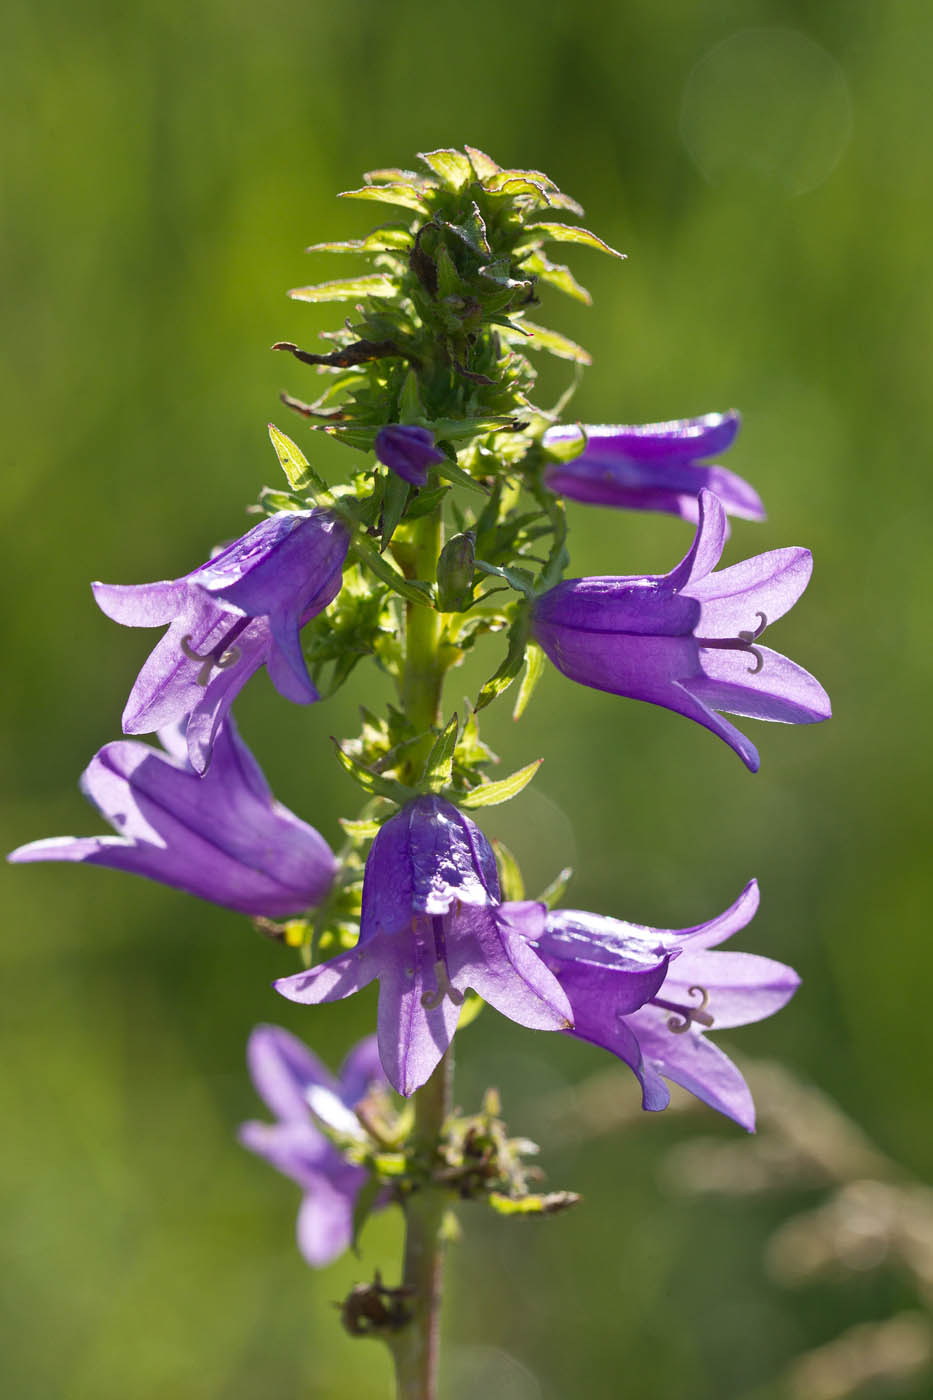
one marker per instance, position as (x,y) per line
(697,1065)
(412,1037)
(286,663)
(614,606)
(283,1068)
(408,451)
(489,951)
(717,930)
(295,1148)
(340,977)
(597,1023)
(781,690)
(325,1223)
(360,1071)
(141,604)
(731,599)
(680,440)
(706,551)
(742,987)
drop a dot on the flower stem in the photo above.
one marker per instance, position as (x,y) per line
(415,1348)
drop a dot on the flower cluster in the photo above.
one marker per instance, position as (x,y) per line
(433,382)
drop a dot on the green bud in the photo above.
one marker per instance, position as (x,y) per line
(455,573)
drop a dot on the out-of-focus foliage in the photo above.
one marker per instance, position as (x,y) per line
(762,166)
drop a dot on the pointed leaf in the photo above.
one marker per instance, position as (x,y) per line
(414,590)
(540,338)
(491,794)
(550,1204)
(349,289)
(534,669)
(394,501)
(370,782)
(458,477)
(570,233)
(556,275)
(554,892)
(510,875)
(362,829)
(403,194)
(483,165)
(301,475)
(382,240)
(439,767)
(452,167)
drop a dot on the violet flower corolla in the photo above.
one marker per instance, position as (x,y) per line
(431,927)
(653,466)
(243,609)
(408,451)
(688,640)
(222,837)
(592,957)
(302,1093)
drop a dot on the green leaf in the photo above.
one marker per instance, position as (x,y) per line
(556,275)
(453,167)
(362,829)
(414,590)
(400,193)
(347,289)
(540,338)
(491,794)
(472,1006)
(554,892)
(519,579)
(458,477)
(370,782)
(410,406)
(381,240)
(301,475)
(394,501)
(534,669)
(439,766)
(514,660)
(568,233)
(551,1204)
(426,501)
(510,876)
(483,165)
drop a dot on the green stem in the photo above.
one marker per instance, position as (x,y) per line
(415,1347)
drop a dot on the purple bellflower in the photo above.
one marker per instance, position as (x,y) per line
(655,466)
(432,927)
(688,640)
(222,837)
(408,451)
(302,1093)
(593,958)
(242,609)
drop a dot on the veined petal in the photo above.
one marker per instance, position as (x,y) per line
(333,980)
(610,606)
(142,604)
(742,987)
(684,702)
(696,1064)
(412,1037)
(706,551)
(488,950)
(598,1023)
(285,662)
(717,930)
(781,690)
(731,599)
(640,667)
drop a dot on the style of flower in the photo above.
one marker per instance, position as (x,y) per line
(688,640)
(243,609)
(222,837)
(408,451)
(698,990)
(432,927)
(302,1093)
(655,466)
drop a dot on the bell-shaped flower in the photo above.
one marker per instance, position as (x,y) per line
(698,990)
(431,928)
(302,1094)
(408,451)
(688,640)
(243,609)
(654,466)
(222,837)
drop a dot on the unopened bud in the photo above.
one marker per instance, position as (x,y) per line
(455,573)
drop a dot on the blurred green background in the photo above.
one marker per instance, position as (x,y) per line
(764,166)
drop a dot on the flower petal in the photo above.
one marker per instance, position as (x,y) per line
(742,987)
(489,950)
(361,1069)
(731,599)
(340,977)
(412,1037)
(283,1068)
(706,551)
(781,690)
(717,930)
(697,1065)
(325,1223)
(142,604)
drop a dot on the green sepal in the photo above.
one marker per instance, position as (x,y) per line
(363,1208)
(492,794)
(346,289)
(450,166)
(564,449)
(373,783)
(414,590)
(301,475)
(550,1204)
(556,275)
(483,165)
(472,1006)
(438,769)
(360,828)
(514,660)
(393,238)
(554,892)
(540,338)
(410,405)
(566,233)
(534,669)
(510,875)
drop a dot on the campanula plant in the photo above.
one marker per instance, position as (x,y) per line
(448,535)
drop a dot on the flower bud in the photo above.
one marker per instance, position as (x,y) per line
(455,573)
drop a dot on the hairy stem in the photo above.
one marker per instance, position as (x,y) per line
(415,1347)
